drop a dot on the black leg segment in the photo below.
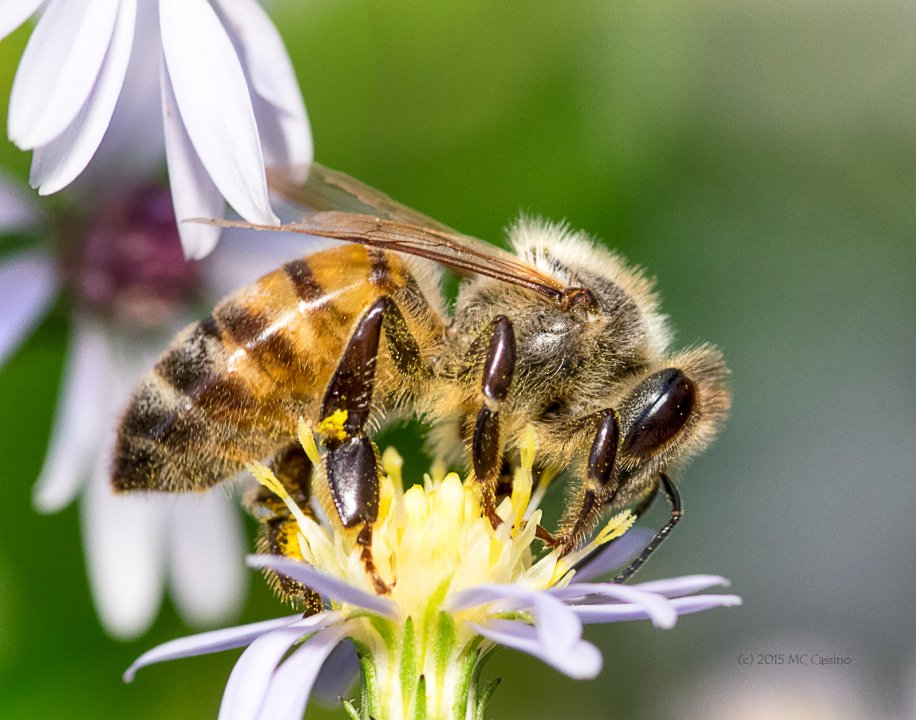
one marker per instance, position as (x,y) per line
(677,512)
(601,482)
(350,388)
(351,462)
(486,444)
(500,363)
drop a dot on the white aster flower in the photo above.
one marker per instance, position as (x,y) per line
(457,590)
(196,59)
(130,289)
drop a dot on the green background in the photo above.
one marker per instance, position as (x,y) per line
(760,160)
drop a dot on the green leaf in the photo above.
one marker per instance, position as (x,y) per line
(445,644)
(383,628)
(485,698)
(369,695)
(470,656)
(351,711)
(420,706)
(409,671)
(431,616)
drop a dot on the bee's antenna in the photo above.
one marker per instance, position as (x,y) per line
(677,512)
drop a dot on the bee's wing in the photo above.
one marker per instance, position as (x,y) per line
(315,188)
(340,207)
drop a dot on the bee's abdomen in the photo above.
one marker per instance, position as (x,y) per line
(230,389)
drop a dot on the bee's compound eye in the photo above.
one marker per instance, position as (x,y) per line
(661,404)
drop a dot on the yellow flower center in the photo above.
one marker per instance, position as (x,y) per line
(433,540)
(429,543)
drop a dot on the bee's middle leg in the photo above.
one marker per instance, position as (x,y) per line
(486,444)
(352,460)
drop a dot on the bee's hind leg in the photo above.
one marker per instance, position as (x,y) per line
(352,460)
(486,444)
(278,533)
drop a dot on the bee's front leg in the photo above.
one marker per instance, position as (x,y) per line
(600,490)
(599,487)
(486,444)
(677,512)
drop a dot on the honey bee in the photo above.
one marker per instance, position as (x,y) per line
(561,335)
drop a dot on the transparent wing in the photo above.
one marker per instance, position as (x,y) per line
(324,189)
(340,207)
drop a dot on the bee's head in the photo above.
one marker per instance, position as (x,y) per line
(626,311)
(670,405)
(669,412)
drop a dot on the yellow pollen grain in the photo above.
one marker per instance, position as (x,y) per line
(438,471)
(332,427)
(523,481)
(527,446)
(290,544)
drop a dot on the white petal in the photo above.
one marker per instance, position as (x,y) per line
(79,424)
(658,608)
(133,146)
(698,603)
(14,13)
(600,614)
(590,614)
(291,685)
(580,661)
(58,69)
(337,675)
(193,192)
(56,165)
(124,534)
(247,686)
(323,584)
(207,569)
(27,287)
(615,554)
(685,585)
(558,628)
(208,642)
(17,211)
(124,546)
(281,115)
(215,106)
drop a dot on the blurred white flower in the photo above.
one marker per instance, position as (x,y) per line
(228,95)
(130,289)
(456,588)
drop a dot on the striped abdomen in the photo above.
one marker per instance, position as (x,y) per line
(230,389)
